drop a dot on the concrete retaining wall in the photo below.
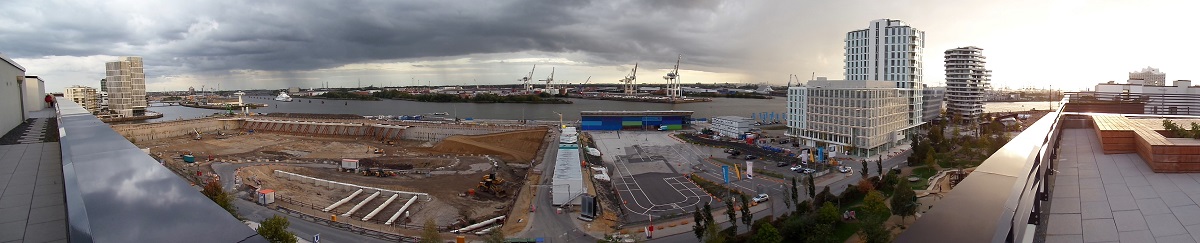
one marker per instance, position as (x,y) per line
(437,132)
(145,132)
(333,185)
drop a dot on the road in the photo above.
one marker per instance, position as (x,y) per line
(551,227)
(302,228)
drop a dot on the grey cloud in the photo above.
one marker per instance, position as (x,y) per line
(303,35)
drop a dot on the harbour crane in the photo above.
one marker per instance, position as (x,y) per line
(585,82)
(549,79)
(525,80)
(630,81)
(674,91)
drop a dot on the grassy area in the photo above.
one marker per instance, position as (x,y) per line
(845,230)
(713,188)
(923,172)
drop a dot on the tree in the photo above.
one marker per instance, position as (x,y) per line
(865,186)
(864,169)
(497,236)
(767,234)
(821,233)
(708,216)
(874,206)
(879,167)
(747,217)
(430,234)
(698,227)
(875,213)
(929,161)
(712,235)
(795,194)
(732,213)
(904,200)
(812,187)
(214,192)
(274,229)
(828,214)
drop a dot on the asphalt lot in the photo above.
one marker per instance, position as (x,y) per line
(646,161)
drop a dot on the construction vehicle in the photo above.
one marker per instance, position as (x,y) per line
(377,173)
(197,132)
(491,184)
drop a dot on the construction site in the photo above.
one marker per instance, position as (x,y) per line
(388,176)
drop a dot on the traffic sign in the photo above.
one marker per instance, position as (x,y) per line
(725,173)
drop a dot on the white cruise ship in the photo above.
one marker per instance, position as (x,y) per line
(283,96)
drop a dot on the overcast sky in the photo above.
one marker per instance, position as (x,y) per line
(275,44)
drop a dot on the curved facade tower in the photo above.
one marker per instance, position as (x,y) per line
(967,82)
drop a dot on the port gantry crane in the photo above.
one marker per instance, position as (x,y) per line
(674,89)
(549,80)
(630,81)
(525,80)
(579,89)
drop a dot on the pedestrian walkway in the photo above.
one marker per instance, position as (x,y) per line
(32,205)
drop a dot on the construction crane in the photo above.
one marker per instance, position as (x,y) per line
(674,91)
(630,81)
(525,80)
(549,79)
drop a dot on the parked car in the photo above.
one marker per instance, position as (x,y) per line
(785,141)
(750,157)
(781,164)
(808,171)
(729,151)
(761,198)
(845,169)
(797,168)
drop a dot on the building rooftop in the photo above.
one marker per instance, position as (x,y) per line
(1100,197)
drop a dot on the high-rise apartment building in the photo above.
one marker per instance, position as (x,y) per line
(967,82)
(934,100)
(1151,76)
(126,83)
(84,96)
(889,50)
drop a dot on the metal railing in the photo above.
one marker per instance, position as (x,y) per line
(115,192)
(1001,201)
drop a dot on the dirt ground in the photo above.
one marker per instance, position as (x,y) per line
(516,146)
(440,170)
(279,146)
(446,207)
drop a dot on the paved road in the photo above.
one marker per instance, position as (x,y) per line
(302,228)
(550,226)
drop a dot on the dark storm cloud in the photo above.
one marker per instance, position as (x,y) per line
(304,35)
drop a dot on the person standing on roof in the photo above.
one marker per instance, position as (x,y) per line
(50,101)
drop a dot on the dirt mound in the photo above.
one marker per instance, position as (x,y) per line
(515,145)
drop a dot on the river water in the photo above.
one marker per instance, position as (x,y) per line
(718,107)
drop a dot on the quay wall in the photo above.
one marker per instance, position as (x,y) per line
(421,131)
(152,131)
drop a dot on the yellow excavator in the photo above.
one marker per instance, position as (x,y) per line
(492,184)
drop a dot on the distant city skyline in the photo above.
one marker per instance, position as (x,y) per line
(300,44)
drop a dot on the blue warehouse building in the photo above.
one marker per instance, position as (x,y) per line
(634,120)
